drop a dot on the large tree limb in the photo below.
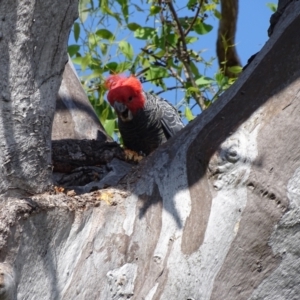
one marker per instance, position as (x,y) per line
(33,43)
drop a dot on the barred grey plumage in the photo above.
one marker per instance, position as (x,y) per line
(151,126)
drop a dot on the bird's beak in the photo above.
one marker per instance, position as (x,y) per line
(123,112)
(119,107)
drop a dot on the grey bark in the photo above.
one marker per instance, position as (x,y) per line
(33,40)
(74,116)
(212,214)
(69,154)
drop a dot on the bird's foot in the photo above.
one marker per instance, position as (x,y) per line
(133,156)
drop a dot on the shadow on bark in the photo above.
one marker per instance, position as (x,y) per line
(211,129)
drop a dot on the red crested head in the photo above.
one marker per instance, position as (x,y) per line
(128,91)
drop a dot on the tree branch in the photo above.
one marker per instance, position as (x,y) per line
(194,19)
(226,51)
(184,56)
(170,89)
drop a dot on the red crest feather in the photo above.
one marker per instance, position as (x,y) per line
(114,81)
(118,84)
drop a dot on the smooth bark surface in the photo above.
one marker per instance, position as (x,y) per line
(33,43)
(74,116)
(212,214)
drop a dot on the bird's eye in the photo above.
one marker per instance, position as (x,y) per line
(130,99)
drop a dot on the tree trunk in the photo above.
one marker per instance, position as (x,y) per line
(33,43)
(226,50)
(212,214)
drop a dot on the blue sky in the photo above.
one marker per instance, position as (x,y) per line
(253,23)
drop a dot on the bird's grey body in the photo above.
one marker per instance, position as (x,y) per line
(151,126)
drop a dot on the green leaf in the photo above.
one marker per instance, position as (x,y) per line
(156,72)
(202,81)
(126,49)
(106,10)
(235,69)
(92,40)
(105,34)
(185,22)
(219,78)
(124,7)
(192,89)
(194,69)
(83,15)
(112,67)
(144,33)
(73,49)
(154,10)
(133,26)
(76,31)
(77,60)
(207,103)
(123,66)
(191,39)
(191,3)
(217,14)
(203,28)
(95,63)
(160,53)
(83,11)
(86,60)
(210,7)
(103,47)
(143,61)
(188,114)
(272,6)
(172,39)
(104,112)
(109,126)
(112,114)
(95,74)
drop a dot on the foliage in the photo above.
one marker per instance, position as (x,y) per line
(165,33)
(272,6)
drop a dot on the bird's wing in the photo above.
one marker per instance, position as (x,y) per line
(168,114)
(170,120)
